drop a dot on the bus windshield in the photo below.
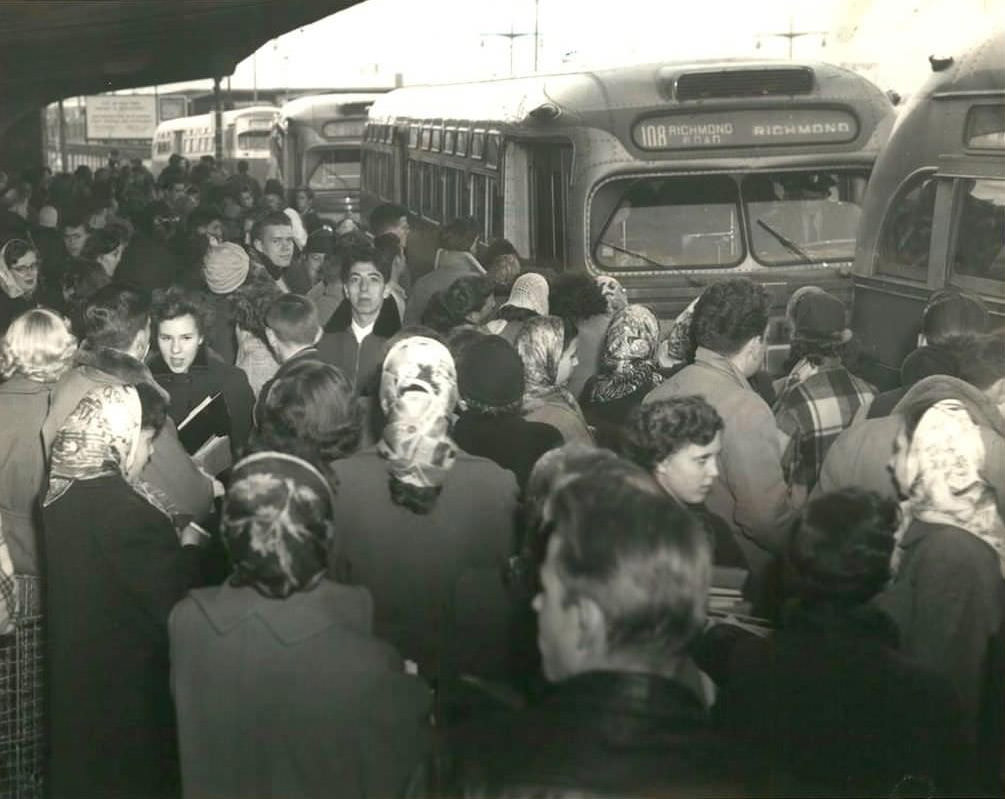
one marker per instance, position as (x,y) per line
(335,168)
(694,221)
(253,140)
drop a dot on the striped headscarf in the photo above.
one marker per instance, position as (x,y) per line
(540,345)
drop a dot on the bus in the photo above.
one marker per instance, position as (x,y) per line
(665,176)
(246,133)
(934,213)
(316,143)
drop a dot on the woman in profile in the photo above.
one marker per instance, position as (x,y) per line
(114,568)
(280,686)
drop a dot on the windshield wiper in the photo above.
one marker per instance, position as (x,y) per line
(786,242)
(632,253)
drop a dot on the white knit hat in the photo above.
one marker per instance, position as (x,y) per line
(529,291)
(225,267)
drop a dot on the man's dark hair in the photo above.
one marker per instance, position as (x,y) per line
(114,315)
(983,364)
(100,242)
(203,215)
(388,247)
(386,216)
(659,429)
(153,408)
(953,317)
(177,301)
(729,314)
(644,560)
(840,546)
(575,296)
(294,320)
(362,254)
(271,219)
(73,216)
(496,249)
(460,234)
(242,166)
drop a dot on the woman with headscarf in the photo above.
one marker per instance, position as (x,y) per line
(35,352)
(114,568)
(19,284)
(547,346)
(628,371)
(427,526)
(614,293)
(280,686)
(948,592)
(528,299)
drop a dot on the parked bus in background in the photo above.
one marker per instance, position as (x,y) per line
(934,214)
(246,133)
(665,176)
(316,143)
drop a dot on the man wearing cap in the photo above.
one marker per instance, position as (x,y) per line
(820,397)
(491,384)
(224,269)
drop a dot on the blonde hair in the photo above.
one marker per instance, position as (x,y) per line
(39,345)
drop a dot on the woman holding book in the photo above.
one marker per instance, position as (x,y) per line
(194,376)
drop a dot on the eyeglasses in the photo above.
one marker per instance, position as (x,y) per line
(24,269)
(26,247)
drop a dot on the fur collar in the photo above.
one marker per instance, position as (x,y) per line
(116,363)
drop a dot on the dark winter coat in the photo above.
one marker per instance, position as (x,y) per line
(114,569)
(511,441)
(148,265)
(599,734)
(359,362)
(208,376)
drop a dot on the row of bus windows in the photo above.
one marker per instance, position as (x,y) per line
(480,145)
(978,249)
(441,194)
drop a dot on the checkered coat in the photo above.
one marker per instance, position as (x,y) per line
(811,413)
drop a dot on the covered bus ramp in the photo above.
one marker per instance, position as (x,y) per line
(50,50)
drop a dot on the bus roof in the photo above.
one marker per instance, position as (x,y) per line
(574,94)
(206,120)
(979,69)
(323,104)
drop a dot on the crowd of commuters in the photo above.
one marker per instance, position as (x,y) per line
(310,522)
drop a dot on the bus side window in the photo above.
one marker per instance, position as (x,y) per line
(906,236)
(979,250)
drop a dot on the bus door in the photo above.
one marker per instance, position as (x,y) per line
(550,171)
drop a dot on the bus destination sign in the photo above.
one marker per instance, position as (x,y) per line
(745,128)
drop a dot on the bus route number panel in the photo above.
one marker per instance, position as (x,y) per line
(745,128)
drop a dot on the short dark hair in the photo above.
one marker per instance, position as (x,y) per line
(984,362)
(448,308)
(114,316)
(385,216)
(250,303)
(460,234)
(310,412)
(729,314)
(497,248)
(951,315)
(659,429)
(575,296)
(203,215)
(293,319)
(177,301)
(271,219)
(72,217)
(362,254)
(839,548)
(242,166)
(644,560)
(100,242)
(153,408)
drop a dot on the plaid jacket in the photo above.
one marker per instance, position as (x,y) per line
(811,414)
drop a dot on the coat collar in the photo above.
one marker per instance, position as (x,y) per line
(298,617)
(120,365)
(720,363)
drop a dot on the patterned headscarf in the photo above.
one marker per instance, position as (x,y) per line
(614,293)
(540,345)
(418,392)
(98,439)
(944,479)
(277,524)
(629,359)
